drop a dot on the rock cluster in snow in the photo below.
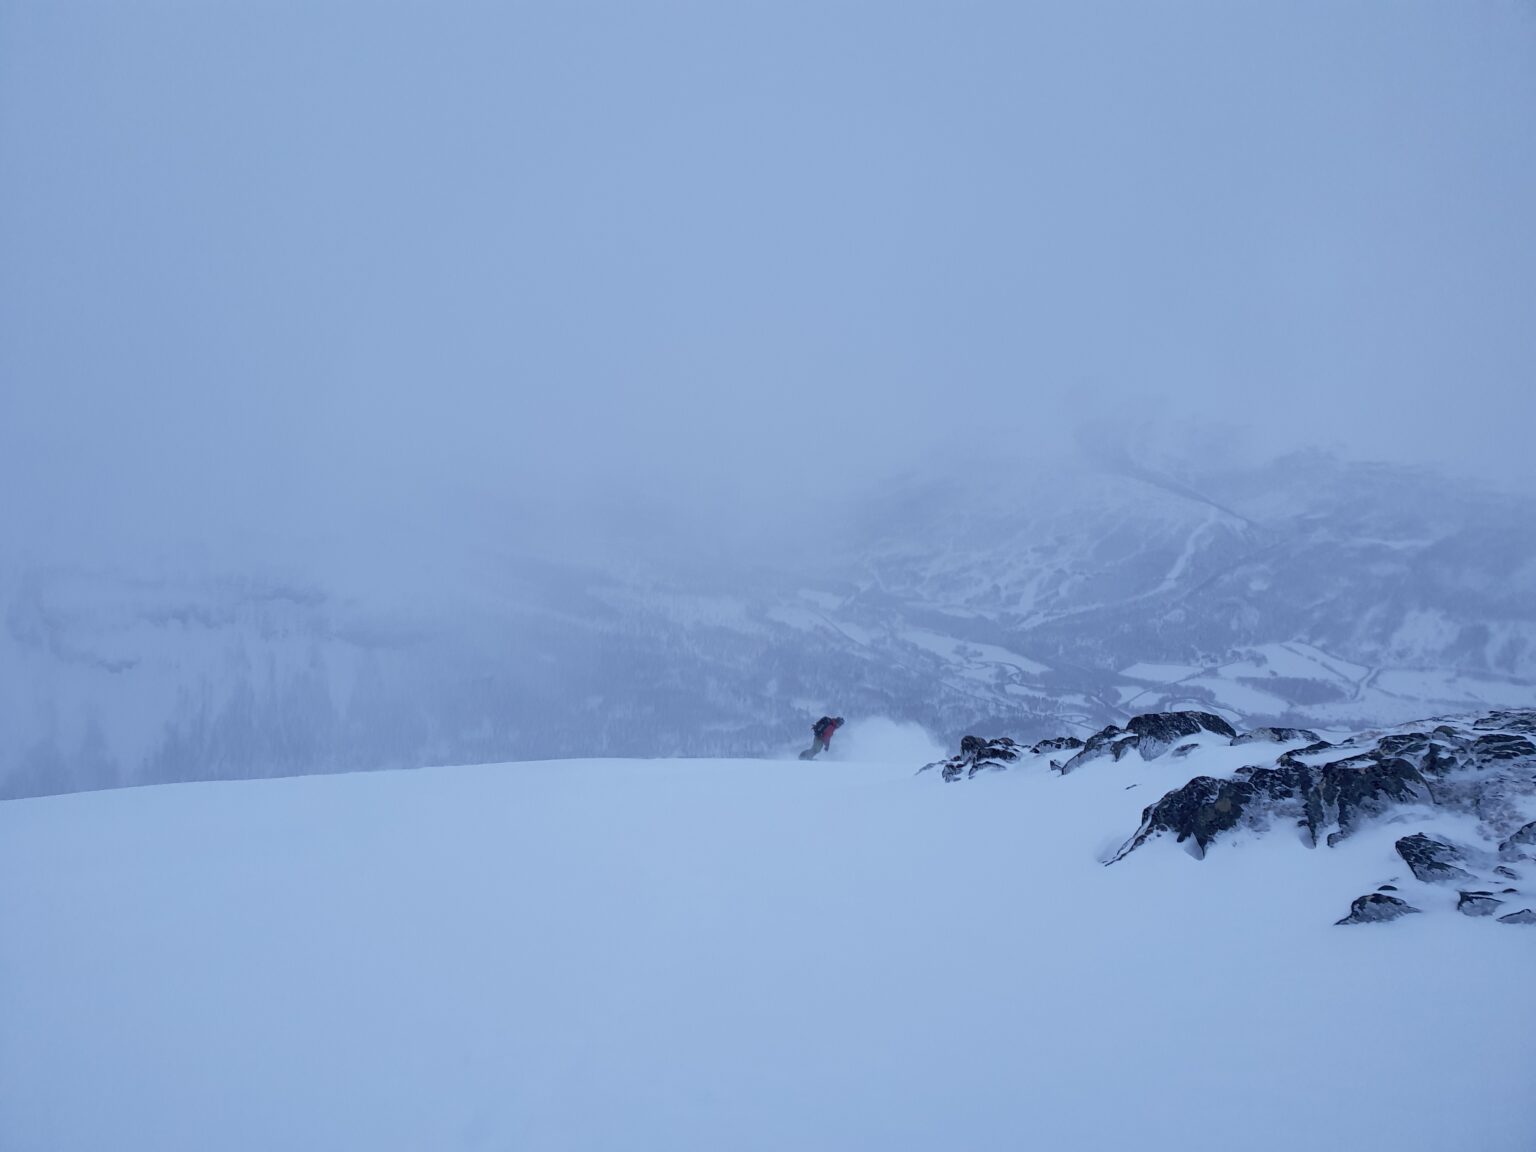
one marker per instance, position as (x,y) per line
(1327,801)
(977,755)
(1150,735)
(1483,768)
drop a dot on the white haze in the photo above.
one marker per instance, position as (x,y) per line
(340,285)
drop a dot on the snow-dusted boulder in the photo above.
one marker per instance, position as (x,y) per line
(1376,908)
(1482,768)
(1511,720)
(1151,735)
(1159,731)
(1334,796)
(1113,742)
(1477,903)
(1503,746)
(1433,861)
(1276,736)
(1520,845)
(1057,744)
(977,755)
(1485,768)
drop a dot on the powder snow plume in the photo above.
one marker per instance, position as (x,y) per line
(881,739)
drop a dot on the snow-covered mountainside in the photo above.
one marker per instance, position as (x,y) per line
(1307,590)
(1004,597)
(707,954)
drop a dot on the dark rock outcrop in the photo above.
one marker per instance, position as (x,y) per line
(1477,903)
(1503,746)
(1375,908)
(1509,721)
(1278,736)
(1483,770)
(977,755)
(1057,744)
(1430,755)
(1293,758)
(1158,731)
(1520,845)
(1113,742)
(1198,812)
(1151,735)
(1337,796)
(1433,861)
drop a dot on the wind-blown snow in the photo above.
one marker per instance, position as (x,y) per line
(710,954)
(879,739)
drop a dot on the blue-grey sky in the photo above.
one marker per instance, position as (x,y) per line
(285,266)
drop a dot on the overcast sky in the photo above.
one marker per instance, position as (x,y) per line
(287,266)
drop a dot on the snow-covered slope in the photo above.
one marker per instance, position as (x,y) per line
(706,954)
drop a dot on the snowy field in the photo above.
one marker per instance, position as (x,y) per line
(698,954)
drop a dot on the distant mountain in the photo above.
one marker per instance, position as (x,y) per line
(1307,591)
(988,596)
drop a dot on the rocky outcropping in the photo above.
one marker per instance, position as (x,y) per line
(1276,736)
(977,755)
(1477,903)
(1153,734)
(1329,790)
(1480,770)
(1521,845)
(1484,769)
(1504,746)
(1150,735)
(1433,861)
(1376,908)
(1329,802)
(1056,744)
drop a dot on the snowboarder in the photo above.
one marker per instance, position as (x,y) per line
(822,731)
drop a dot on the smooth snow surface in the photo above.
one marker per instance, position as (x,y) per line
(714,954)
